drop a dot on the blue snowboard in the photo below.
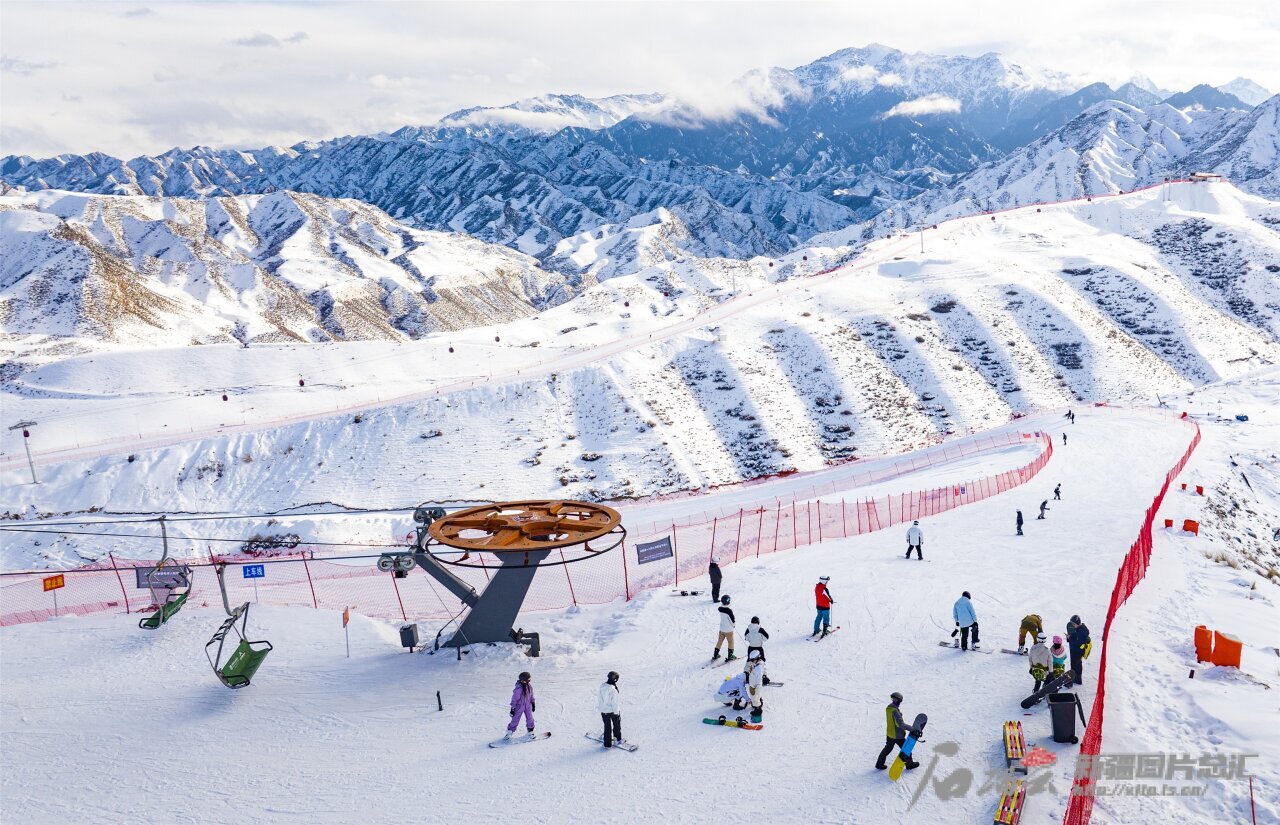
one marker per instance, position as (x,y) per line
(904,756)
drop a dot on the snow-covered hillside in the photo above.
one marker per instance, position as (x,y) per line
(655,382)
(89,270)
(78,691)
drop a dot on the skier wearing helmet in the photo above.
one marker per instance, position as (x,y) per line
(1059,652)
(610,705)
(822,596)
(915,540)
(522,704)
(755,636)
(895,732)
(1041,660)
(755,684)
(726,630)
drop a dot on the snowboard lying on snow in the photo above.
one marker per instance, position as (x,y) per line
(733,723)
(1054,684)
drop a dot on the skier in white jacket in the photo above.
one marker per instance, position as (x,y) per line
(915,540)
(755,636)
(755,684)
(727,622)
(610,705)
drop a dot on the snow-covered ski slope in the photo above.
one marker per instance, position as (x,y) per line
(90,705)
(626,392)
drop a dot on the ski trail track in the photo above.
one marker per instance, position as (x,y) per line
(81,697)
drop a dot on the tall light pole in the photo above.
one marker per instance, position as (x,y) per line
(26,426)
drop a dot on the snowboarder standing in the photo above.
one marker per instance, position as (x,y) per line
(966,620)
(1059,652)
(1064,439)
(822,596)
(755,684)
(915,540)
(713,570)
(726,630)
(895,732)
(522,705)
(1057,493)
(1032,625)
(1041,661)
(755,636)
(1044,507)
(1019,522)
(610,704)
(1080,645)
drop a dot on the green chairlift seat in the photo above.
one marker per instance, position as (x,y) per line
(173,603)
(245,659)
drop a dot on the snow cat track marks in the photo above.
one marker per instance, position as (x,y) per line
(813,377)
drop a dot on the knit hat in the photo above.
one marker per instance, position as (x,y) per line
(824,579)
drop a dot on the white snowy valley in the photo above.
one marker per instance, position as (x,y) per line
(276,356)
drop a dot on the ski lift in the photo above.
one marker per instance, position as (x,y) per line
(244,661)
(172,601)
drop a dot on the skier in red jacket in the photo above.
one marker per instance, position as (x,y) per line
(822,596)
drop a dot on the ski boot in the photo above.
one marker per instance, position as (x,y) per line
(716,654)
(912,765)
(956,644)
(1022,651)
(730,657)
(510,734)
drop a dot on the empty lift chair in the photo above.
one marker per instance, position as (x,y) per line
(177,576)
(248,655)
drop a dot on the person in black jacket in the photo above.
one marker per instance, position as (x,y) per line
(713,570)
(1019,522)
(1080,645)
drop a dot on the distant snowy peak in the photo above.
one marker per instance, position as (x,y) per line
(1246,90)
(553,112)
(1205,96)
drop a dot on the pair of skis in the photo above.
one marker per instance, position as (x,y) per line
(821,636)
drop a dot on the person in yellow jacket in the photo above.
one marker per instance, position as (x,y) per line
(1032,625)
(895,732)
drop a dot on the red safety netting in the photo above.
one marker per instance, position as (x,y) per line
(1132,570)
(303,579)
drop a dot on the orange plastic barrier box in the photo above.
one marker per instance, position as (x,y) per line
(1204,644)
(1190,526)
(1199,490)
(1168,522)
(1226,650)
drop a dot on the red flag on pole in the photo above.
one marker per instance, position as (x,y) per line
(346,616)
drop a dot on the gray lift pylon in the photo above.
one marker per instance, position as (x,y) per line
(493,612)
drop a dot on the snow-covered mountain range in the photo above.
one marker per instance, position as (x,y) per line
(138,270)
(789,153)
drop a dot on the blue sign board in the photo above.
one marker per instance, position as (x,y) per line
(254,571)
(653,551)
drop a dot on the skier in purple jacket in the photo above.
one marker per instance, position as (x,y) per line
(523,704)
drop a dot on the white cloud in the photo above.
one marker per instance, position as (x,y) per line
(927,105)
(258,40)
(537,121)
(751,95)
(861,75)
(889,79)
(16,65)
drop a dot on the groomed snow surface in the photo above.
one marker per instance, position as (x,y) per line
(103,722)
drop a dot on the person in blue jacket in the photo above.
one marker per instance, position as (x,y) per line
(966,620)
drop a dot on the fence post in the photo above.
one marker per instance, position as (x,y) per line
(567,578)
(713,534)
(760,532)
(819,521)
(795,542)
(737,542)
(314,602)
(777,525)
(123,592)
(844,520)
(675,550)
(626,582)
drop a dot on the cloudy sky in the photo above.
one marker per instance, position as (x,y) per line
(133,78)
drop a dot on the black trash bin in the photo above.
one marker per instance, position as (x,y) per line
(1062,712)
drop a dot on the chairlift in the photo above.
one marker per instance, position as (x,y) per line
(172,601)
(248,655)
